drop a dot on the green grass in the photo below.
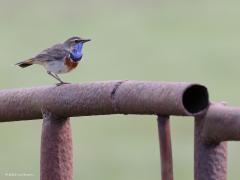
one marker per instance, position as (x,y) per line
(139,40)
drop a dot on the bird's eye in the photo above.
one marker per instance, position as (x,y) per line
(76,41)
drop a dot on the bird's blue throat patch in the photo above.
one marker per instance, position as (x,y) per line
(76,52)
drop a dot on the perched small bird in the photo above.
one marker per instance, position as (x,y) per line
(60,58)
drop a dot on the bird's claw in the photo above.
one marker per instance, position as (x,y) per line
(61,83)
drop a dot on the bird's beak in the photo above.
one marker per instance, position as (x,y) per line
(85,40)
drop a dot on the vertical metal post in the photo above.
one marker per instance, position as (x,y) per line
(210,160)
(56,148)
(165,147)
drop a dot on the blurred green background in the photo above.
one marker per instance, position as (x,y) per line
(139,40)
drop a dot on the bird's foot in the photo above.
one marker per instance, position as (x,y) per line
(61,83)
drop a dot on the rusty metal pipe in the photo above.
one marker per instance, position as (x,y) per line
(164,133)
(222,123)
(56,148)
(210,160)
(99,98)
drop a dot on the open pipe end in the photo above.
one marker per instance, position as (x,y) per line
(195,99)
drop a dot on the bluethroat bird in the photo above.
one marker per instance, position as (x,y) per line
(60,58)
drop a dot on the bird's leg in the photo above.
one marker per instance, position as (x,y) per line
(55,76)
(61,82)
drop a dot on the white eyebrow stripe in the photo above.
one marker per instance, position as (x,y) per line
(75,39)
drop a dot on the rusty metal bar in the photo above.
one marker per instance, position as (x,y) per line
(210,160)
(222,124)
(56,148)
(164,133)
(110,97)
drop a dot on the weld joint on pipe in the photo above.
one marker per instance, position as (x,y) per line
(113,94)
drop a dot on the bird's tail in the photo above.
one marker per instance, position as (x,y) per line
(26,63)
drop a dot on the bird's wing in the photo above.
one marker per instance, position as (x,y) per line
(55,53)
